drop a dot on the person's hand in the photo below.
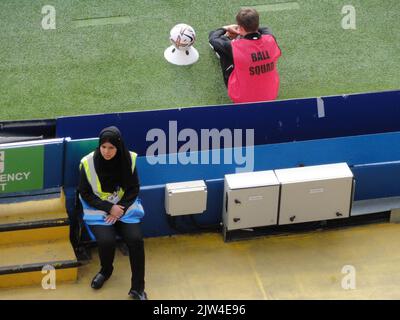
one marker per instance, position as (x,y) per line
(232,31)
(232,28)
(117,211)
(109,219)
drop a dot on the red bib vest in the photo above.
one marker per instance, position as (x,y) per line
(255,76)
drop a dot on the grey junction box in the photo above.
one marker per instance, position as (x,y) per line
(183,198)
(315,193)
(250,200)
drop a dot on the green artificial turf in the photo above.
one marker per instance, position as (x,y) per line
(101,66)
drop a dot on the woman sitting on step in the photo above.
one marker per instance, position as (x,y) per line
(108,188)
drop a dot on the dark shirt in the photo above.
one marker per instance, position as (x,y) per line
(222,46)
(130,195)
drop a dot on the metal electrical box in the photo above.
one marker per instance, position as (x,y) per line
(184,198)
(315,193)
(250,200)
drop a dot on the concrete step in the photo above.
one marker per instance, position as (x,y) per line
(30,221)
(33,234)
(29,209)
(21,264)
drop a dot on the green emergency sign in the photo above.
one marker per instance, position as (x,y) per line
(21,169)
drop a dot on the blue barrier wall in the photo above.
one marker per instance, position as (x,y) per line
(273,122)
(53,165)
(377,180)
(374,160)
(327,130)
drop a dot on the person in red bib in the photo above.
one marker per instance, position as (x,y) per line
(249,56)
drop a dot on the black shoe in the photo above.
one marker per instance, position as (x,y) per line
(98,281)
(135,295)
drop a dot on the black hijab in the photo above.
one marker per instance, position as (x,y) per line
(117,171)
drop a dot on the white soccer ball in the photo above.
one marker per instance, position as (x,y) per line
(182,36)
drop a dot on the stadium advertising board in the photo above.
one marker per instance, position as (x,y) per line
(21,168)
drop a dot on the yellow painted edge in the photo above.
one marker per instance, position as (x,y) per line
(30,235)
(36,278)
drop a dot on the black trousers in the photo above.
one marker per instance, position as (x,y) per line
(226,67)
(132,236)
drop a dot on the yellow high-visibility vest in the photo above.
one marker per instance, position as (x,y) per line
(88,164)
